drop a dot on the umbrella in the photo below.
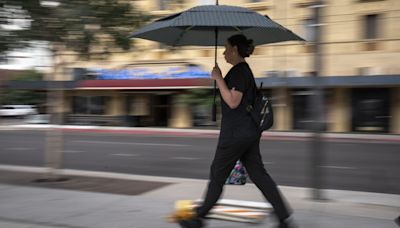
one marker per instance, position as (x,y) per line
(210,25)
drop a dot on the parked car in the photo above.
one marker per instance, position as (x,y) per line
(38,119)
(20,111)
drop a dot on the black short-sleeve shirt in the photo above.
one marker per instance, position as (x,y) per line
(237,123)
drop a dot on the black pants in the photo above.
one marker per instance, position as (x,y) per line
(248,151)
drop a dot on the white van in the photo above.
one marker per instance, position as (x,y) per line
(17,110)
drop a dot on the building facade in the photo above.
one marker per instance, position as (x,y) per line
(360,76)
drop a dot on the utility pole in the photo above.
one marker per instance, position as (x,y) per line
(317,104)
(2,89)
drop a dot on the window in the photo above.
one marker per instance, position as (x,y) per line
(304,111)
(162,4)
(207,2)
(95,105)
(369,0)
(371,26)
(309,35)
(79,105)
(170,4)
(309,30)
(371,110)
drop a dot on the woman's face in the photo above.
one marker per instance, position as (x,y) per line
(230,52)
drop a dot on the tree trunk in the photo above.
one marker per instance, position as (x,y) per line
(54,135)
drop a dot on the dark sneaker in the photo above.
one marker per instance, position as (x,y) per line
(287,224)
(397,221)
(191,223)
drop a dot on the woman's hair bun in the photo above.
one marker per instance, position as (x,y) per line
(250,47)
(245,46)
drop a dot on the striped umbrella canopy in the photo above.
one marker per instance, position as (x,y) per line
(210,25)
(199,25)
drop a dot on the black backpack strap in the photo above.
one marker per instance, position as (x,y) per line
(254,91)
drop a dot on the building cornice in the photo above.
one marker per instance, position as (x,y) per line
(331,81)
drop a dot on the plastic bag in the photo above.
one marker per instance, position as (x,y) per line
(238,175)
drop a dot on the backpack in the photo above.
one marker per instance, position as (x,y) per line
(260,110)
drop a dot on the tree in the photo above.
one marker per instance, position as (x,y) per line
(200,101)
(83,26)
(195,97)
(14,96)
(88,27)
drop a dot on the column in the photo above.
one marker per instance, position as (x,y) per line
(116,105)
(339,117)
(282,107)
(181,115)
(394,124)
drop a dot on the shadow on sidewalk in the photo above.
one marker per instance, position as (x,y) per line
(81,183)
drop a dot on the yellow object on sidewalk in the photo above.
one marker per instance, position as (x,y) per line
(183,211)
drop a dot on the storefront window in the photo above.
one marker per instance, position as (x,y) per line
(95,105)
(303,109)
(370,110)
(79,105)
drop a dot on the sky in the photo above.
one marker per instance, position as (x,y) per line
(36,57)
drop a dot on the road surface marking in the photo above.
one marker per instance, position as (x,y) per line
(125,155)
(19,148)
(185,158)
(337,167)
(268,163)
(131,143)
(73,151)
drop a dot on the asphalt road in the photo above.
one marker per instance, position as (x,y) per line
(352,165)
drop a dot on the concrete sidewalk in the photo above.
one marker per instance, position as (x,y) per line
(23,206)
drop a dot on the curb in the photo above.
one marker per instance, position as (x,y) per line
(210,133)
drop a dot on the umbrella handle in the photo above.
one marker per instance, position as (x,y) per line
(214,112)
(214,107)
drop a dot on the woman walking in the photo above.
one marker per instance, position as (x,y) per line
(239,137)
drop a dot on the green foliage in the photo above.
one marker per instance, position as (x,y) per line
(29,75)
(84,26)
(17,96)
(201,97)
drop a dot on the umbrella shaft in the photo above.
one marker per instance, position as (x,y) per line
(214,109)
(216,44)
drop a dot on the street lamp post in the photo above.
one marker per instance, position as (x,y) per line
(317,102)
